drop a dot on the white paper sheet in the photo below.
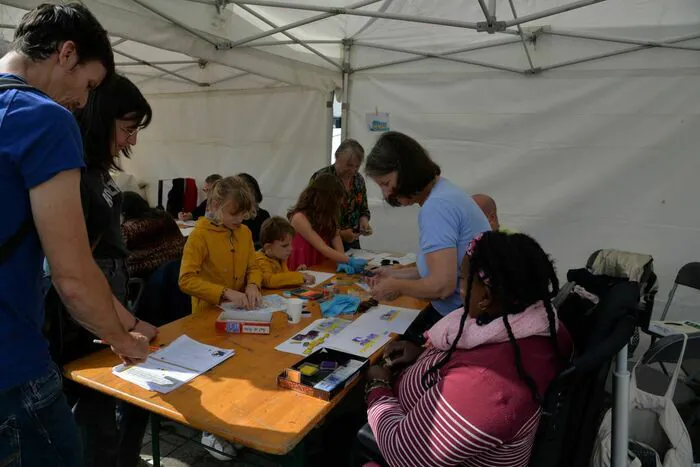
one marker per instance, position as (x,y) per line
(171,367)
(313,337)
(270,304)
(186,231)
(358,340)
(188,353)
(155,375)
(320,276)
(387,318)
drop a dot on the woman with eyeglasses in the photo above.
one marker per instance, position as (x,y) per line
(109,125)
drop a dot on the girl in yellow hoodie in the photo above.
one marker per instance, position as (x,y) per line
(218,263)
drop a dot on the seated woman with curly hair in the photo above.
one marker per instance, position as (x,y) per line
(473,396)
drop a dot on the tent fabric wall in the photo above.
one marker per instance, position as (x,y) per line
(579,161)
(278,136)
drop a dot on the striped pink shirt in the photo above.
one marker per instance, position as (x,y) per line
(479,413)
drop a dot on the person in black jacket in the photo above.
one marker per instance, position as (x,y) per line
(261,215)
(200,210)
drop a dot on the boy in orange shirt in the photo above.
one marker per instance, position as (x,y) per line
(276,236)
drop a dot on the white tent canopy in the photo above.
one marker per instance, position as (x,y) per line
(583,125)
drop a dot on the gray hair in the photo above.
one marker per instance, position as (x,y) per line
(352,147)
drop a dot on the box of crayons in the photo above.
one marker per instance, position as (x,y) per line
(323,374)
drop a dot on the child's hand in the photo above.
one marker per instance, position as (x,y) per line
(254,297)
(302,267)
(309,279)
(238,299)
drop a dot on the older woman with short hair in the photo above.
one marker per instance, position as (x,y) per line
(354,210)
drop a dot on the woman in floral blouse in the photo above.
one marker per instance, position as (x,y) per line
(354,211)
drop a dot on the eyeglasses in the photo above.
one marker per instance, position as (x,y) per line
(130,131)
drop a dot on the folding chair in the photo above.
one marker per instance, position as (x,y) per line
(688,276)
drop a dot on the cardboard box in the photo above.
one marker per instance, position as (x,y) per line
(324,384)
(244,322)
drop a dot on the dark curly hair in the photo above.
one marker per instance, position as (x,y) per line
(320,203)
(520,274)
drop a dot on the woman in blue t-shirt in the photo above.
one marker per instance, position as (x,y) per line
(448,220)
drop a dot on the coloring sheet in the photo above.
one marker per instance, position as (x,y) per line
(320,276)
(387,318)
(313,336)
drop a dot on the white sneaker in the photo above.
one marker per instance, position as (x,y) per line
(219,444)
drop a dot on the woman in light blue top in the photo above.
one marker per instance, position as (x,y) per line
(448,220)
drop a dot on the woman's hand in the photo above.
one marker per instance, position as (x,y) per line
(185,216)
(365,228)
(401,353)
(386,289)
(378,372)
(146,329)
(302,267)
(236,298)
(252,292)
(348,235)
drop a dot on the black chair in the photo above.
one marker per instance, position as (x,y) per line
(162,301)
(656,381)
(575,401)
(688,276)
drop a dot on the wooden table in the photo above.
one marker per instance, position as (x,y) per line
(239,399)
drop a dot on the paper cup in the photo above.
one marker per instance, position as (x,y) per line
(294,309)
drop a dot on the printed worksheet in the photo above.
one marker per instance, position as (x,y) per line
(358,340)
(385,318)
(155,375)
(192,355)
(270,304)
(174,365)
(313,336)
(320,276)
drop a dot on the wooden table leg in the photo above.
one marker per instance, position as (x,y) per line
(155,439)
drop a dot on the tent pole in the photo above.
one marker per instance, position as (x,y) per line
(487,45)
(620,410)
(441,57)
(492,9)
(164,76)
(552,12)
(118,42)
(178,23)
(329,124)
(522,38)
(219,81)
(385,6)
(355,12)
(290,42)
(619,40)
(172,62)
(616,52)
(297,24)
(164,70)
(290,36)
(485,10)
(345,113)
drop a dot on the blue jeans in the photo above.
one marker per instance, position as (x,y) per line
(37,426)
